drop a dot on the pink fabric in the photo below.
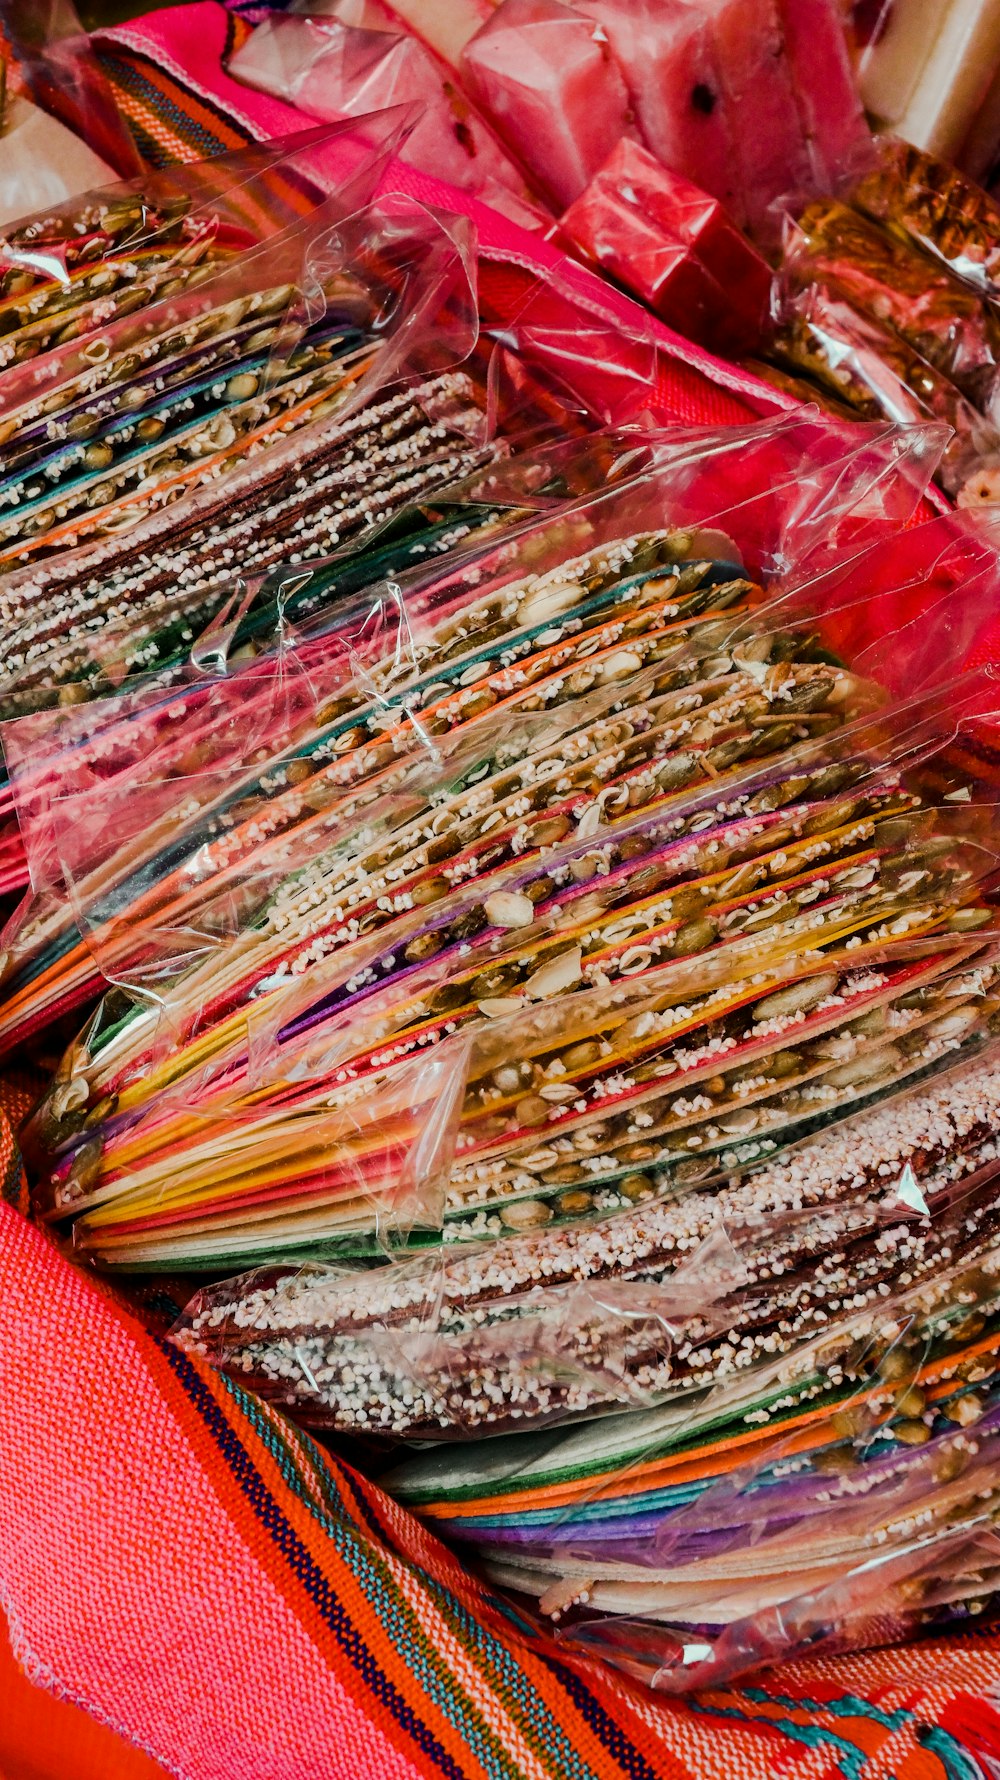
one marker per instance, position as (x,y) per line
(114,1452)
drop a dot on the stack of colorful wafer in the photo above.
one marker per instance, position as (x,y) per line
(610,852)
(185,404)
(819,1343)
(579,935)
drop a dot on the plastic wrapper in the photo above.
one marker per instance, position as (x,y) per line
(337,60)
(568,976)
(135,295)
(651,1306)
(884,301)
(545,77)
(673,246)
(891,283)
(158,432)
(592,1042)
(187,856)
(45,963)
(46,966)
(824,1492)
(877,373)
(434,510)
(792,1367)
(923,199)
(556,78)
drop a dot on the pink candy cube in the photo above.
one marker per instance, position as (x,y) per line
(749,39)
(544,75)
(832,118)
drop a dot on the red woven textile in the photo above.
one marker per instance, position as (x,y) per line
(178,1560)
(42,1738)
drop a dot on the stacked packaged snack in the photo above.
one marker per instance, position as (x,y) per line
(885,300)
(819,1468)
(311,828)
(595,927)
(224,369)
(49,967)
(562,84)
(552,932)
(665,1030)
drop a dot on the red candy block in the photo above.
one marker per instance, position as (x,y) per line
(674,246)
(829,106)
(547,80)
(749,39)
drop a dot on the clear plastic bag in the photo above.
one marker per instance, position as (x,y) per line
(335,310)
(891,283)
(325,784)
(259,405)
(831,1497)
(812,1466)
(883,301)
(924,200)
(879,374)
(196,274)
(694,74)
(568,976)
(862,486)
(251,620)
(324,60)
(554,1353)
(725,1288)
